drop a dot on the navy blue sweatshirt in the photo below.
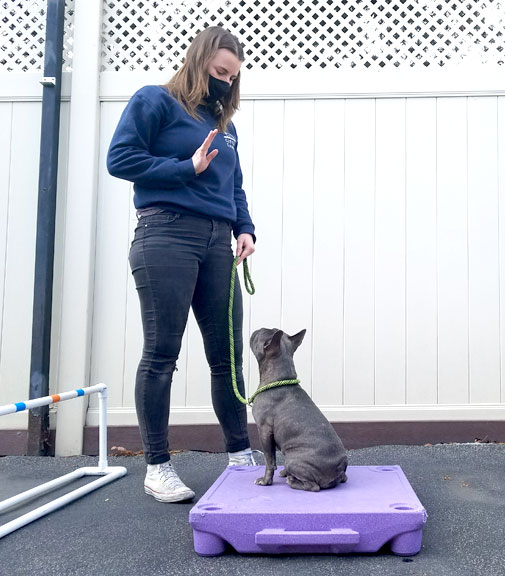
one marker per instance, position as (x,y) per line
(152,147)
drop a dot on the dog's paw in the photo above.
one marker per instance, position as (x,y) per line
(262,482)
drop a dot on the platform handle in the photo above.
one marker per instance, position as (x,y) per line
(281,537)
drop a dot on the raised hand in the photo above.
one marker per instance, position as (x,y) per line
(202,158)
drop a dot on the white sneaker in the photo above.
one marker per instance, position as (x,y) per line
(242,458)
(163,483)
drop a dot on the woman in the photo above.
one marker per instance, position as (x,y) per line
(178,146)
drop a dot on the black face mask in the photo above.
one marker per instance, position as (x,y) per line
(218,89)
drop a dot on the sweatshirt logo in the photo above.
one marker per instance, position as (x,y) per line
(230,140)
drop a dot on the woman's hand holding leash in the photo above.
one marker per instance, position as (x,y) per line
(245,247)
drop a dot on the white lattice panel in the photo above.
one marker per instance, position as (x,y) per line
(22,35)
(154,35)
(147,35)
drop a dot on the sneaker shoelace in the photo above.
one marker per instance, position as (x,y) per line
(170,478)
(245,459)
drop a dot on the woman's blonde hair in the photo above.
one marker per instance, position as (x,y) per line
(190,84)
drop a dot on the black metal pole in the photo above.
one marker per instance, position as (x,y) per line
(38,419)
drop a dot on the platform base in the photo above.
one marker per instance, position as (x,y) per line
(376,506)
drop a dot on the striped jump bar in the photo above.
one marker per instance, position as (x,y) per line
(45,400)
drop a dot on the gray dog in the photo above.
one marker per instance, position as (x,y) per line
(286,417)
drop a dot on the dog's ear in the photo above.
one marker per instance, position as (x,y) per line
(297,339)
(273,345)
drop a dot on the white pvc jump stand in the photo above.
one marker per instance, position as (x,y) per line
(107,473)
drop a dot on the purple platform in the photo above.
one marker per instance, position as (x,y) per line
(375,506)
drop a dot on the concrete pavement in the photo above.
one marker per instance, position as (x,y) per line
(118,530)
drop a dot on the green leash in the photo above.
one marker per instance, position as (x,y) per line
(251,290)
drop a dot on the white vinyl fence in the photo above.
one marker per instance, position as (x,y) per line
(378,224)
(374,165)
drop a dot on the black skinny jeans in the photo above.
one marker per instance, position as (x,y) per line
(178,261)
